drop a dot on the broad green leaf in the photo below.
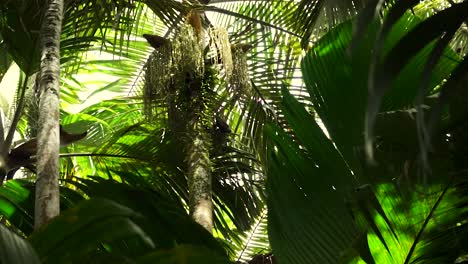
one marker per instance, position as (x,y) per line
(337,83)
(427,216)
(17,203)
(308,221)
(321,149)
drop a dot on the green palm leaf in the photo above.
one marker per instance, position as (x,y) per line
(393,221)
(308,219)
(255,241)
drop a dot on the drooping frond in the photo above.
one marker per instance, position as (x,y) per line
(255,241)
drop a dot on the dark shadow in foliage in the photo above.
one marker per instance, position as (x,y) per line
(164,221)
(86,227)
(120,222)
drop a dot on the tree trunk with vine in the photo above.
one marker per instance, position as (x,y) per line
(198,148)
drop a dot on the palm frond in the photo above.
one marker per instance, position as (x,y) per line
(337,83)
(133,208)
(151,152)
(419,38)
(255,241)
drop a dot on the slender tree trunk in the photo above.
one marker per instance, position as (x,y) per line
(199,171)
(47,186)
(190,112)
(199,142)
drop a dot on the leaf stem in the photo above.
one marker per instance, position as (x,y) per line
(426,221)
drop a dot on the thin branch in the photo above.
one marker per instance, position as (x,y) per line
(19,109)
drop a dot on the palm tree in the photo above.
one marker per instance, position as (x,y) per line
(189,110)
(150,163)
(47,204)
(245,202)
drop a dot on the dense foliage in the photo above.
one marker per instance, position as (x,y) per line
(333,132)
